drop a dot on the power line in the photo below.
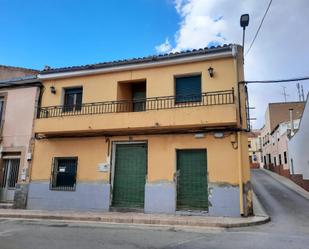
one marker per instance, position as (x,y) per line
(258,30)
(274,81)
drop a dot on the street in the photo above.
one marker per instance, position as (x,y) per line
(289,228)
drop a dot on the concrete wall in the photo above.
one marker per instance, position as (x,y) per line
(299,145)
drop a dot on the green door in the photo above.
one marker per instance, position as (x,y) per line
(130,175)
(192,187)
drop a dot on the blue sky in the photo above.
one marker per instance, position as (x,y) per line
(65,32)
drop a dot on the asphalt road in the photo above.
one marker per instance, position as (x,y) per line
(289,228)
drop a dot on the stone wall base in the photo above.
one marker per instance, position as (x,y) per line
(86,197)
(20,196)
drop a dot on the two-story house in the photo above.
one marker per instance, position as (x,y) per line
(18,102)
(159,134)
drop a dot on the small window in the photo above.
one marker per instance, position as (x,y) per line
(280,161)
(275,161)
(188,89)
(72,99)
(64,173)
(285,158)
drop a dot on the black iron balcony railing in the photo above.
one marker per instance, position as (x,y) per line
(147,104)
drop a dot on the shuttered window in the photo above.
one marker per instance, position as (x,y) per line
(188,89)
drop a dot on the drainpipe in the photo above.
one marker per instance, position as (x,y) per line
(291,121)
(241,189)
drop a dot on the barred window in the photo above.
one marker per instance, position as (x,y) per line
(64,173)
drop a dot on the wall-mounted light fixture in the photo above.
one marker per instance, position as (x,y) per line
(219,134)
(53,90)
(199,135)
(211,72)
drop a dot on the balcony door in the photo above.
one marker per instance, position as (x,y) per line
(9,178)
(139,97)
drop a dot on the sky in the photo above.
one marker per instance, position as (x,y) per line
(59,33)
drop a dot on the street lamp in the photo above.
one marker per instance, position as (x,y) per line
(244,22)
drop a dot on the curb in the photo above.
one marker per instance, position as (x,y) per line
(221,222)
(258,208)
(288,183)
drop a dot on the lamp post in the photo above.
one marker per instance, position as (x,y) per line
(244,22)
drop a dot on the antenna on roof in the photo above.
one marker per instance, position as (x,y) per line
(302,93)
(284,93)
(298,90)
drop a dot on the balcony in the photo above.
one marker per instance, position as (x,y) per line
(169,112)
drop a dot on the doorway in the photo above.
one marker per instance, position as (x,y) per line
(192,185)
(130,172)
(10,172)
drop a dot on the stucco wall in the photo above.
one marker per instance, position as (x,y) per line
(222,158)
(18,120)
(160,81)
(299,147)
(222,167)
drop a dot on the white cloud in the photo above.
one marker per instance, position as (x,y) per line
(164,47)
(280,51)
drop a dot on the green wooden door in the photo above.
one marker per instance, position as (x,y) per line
(192,187)
(130,175)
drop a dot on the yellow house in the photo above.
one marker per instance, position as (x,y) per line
(159,134)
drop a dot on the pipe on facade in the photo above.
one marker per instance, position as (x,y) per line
(240,177)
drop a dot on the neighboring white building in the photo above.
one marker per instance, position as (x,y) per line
(299,147)
(255,149)
(278,147)
(277,117)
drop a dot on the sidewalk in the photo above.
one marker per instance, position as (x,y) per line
(139,218)
(287,182)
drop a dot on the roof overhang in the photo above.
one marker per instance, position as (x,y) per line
(166,62)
